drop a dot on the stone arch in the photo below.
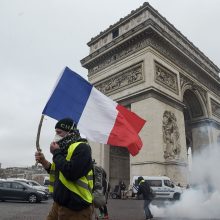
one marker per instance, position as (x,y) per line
(145,70)
(191,90)
(194,111)
(194,106)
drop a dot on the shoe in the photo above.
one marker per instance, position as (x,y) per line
(105,217)
(101,216)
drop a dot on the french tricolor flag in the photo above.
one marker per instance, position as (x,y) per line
(98,117)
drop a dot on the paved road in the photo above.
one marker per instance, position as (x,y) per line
(118,210)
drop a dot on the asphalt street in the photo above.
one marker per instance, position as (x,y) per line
(118,210)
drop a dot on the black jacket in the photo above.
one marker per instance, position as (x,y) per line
(79,165)
(145,190)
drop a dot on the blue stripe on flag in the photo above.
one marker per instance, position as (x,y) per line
(69,97)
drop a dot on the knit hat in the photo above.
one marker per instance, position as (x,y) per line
(66,124)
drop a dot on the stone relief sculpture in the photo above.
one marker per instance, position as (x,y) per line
(166,77)
(122,79)
(171,136)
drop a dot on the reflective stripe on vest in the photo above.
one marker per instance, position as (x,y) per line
(51,177)
(82,187)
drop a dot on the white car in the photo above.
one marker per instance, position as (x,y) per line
(162,186)
(36,185)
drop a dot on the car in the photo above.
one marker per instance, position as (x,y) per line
(162,187)
(37,185)
(32,183)
(46,181)
(14,190)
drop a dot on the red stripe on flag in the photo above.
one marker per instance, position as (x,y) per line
(136,122)
(124,134)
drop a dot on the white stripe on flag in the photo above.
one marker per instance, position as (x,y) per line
(98,117)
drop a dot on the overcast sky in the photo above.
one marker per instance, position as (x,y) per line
(38,38)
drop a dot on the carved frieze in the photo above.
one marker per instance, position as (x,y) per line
(171,136)
(162,47)
(123,79)
(166,77)
(125,50)
(182,62)
(146,17)
(215,108)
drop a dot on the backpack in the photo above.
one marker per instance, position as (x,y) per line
(99,198)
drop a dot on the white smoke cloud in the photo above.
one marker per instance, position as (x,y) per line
(202,200)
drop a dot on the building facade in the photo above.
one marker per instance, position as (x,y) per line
(145,64)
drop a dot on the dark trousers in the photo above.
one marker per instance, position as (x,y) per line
(146,209)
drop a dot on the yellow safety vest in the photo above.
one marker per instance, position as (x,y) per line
(82,187)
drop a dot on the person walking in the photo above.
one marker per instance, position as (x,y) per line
(106,188)
(145,190)
(71,174)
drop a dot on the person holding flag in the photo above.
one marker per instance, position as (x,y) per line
(71,175)
(101,120)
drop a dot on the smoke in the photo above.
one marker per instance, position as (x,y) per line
(202,199)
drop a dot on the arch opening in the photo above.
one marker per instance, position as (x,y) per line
(193,111)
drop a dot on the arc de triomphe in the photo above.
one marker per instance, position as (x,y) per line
(144,63)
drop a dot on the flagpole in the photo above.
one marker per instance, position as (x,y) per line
(38,135)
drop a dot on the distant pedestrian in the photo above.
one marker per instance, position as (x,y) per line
(146,191)
(122,189)
(106,186)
